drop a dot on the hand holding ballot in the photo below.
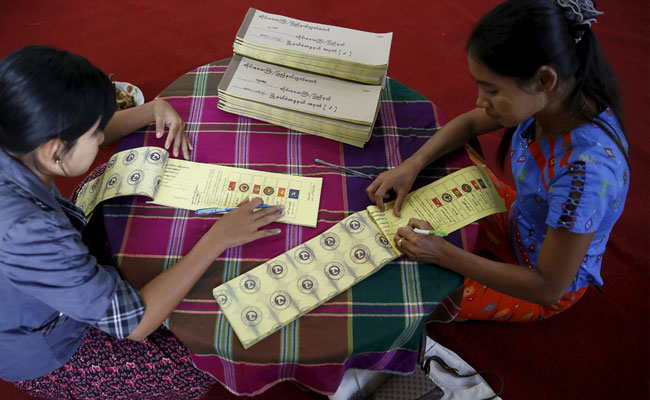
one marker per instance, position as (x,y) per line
(149,171)
(244,224)
(418,246)
(398,180)
(447,204)
(310,274)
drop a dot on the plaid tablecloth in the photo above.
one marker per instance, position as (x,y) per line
(375,325)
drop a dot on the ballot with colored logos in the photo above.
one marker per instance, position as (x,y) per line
(150,172)
(272,295)
(447,204)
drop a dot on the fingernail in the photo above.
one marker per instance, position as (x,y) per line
(158,134)
(276,231)
(282,214)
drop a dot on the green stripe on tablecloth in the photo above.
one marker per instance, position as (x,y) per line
(289,353)
(366,324)
(399,92)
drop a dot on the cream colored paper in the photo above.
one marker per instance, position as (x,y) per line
(318,39)
(148,171)
(274,294)
(134,172)
(447,204)
(279,291)
(191,185)
(302,91)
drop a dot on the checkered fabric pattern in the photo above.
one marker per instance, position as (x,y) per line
(374,325)
(124,313)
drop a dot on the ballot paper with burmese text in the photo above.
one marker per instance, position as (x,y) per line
(277,292)
(148,171)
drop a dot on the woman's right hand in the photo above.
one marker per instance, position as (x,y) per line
(243,224)
(399,180)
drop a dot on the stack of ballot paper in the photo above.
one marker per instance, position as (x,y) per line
(324,49)
(316,104)
(306,76)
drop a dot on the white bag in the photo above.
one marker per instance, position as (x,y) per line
(441,375)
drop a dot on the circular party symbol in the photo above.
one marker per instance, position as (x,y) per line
(268,190)
(382,241)
(223,299)
(130,158)
(466,188)
(113,181)
(447,197)
(360,254)
(304,255)
(329,241)
(277,269)
(244,187)
(250,284)
(353,225)
(280,300)
(251,315)
(334,270)
(307,284)
(155,157)
(135,177)
(110,164)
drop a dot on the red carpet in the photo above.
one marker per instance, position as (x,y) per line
(598,350)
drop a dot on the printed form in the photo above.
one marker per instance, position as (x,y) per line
(148,171)
(447,204)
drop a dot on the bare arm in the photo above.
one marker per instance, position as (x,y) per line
(557,264)
(450,137)
(163,293)
(159,111)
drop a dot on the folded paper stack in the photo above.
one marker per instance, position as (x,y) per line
(324,49)
(312,78)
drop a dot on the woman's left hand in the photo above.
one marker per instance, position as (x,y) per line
(166,116)
(418,247)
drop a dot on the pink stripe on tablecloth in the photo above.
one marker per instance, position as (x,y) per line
(321,378)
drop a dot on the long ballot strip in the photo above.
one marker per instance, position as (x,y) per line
(274,294)
(148,171)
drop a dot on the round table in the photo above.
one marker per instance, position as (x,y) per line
(375,325)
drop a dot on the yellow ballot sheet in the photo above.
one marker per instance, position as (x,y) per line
(447,204)
(273,294)
(148,171)
(279,291)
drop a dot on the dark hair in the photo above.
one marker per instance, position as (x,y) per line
(46,93)
(519,36)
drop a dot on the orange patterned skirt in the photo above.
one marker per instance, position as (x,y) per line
(482,303)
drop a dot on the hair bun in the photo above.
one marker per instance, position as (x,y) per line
(580,12)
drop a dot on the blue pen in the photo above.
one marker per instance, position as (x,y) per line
(210,211)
